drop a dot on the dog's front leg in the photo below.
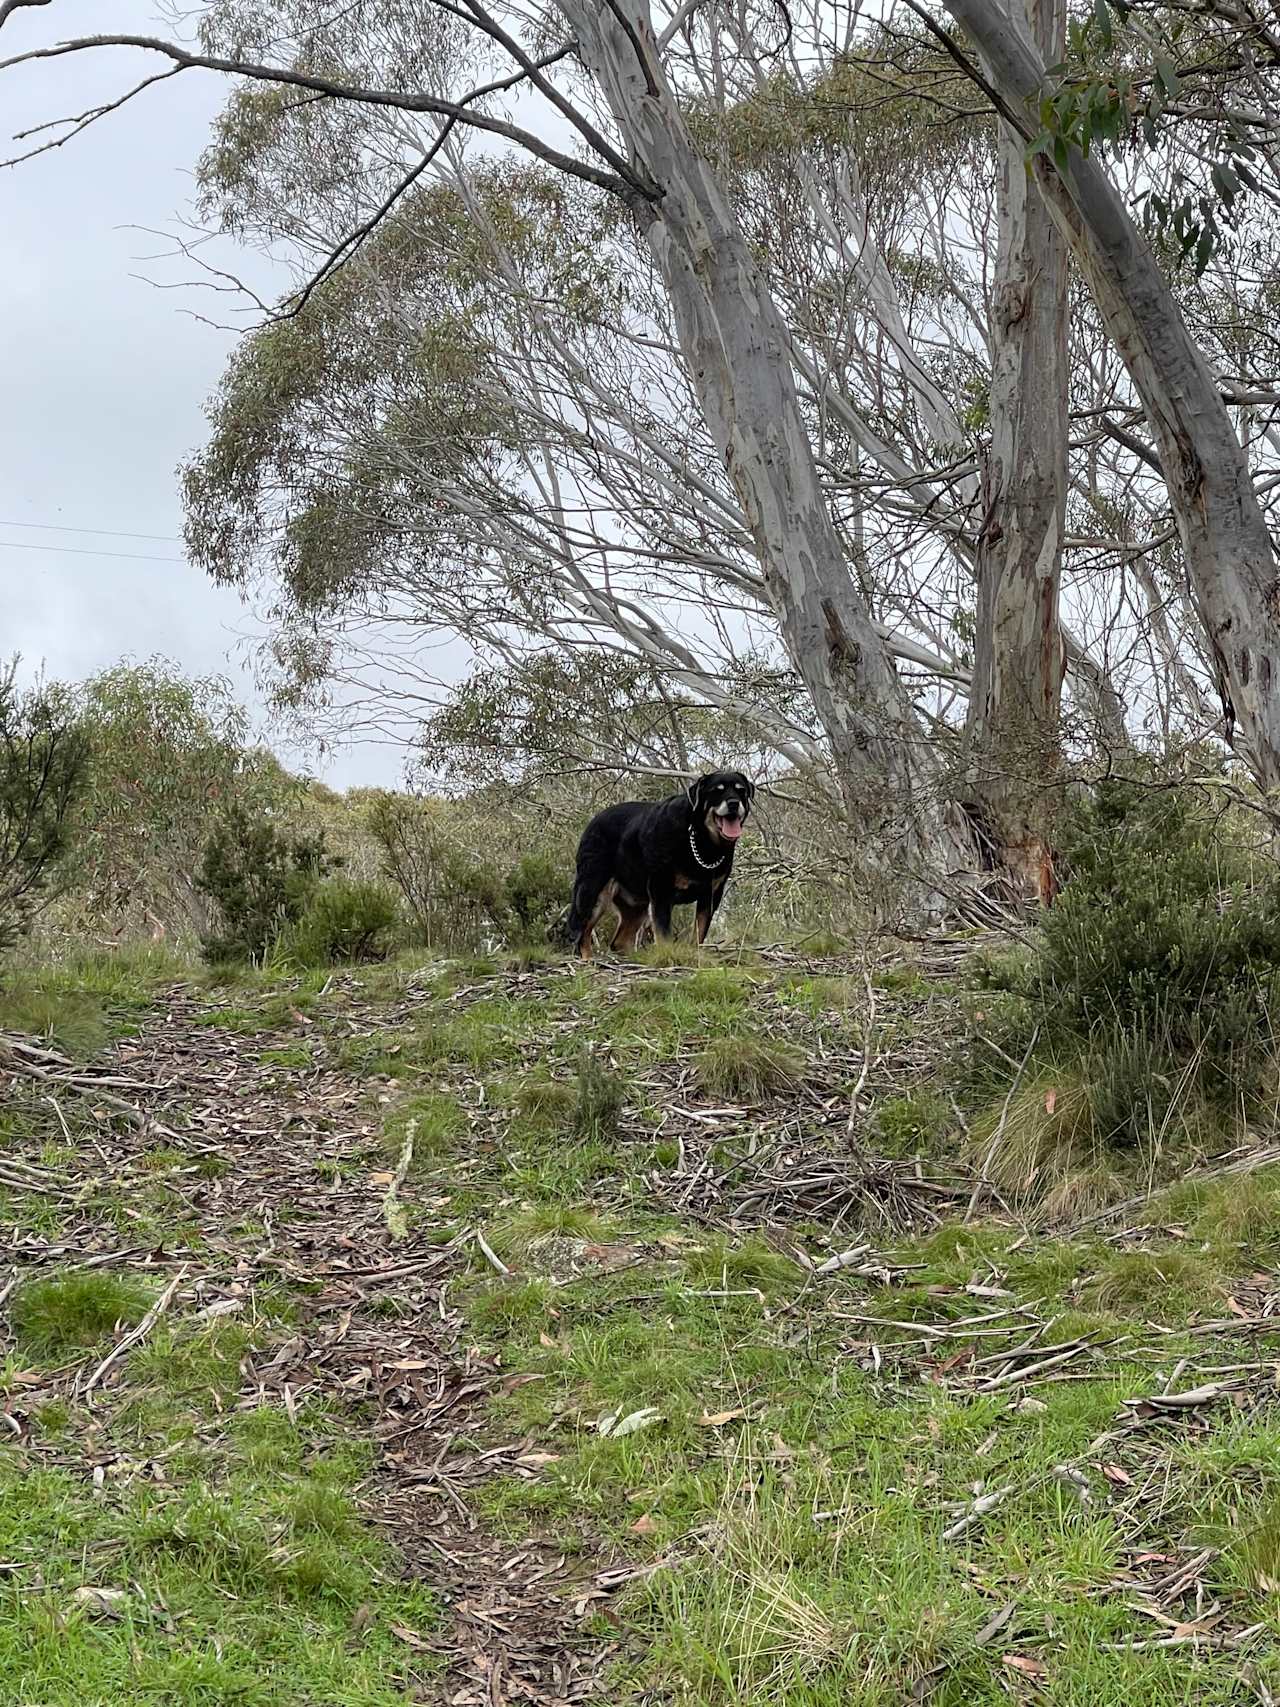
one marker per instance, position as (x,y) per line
(708,901)
(660,912)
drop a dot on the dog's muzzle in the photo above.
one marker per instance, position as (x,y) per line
(728,818)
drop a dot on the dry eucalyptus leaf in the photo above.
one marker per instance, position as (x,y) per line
(615,1428)
(101,1602)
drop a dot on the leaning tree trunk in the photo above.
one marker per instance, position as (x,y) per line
(1014,701)
(738,355)
(1231,563)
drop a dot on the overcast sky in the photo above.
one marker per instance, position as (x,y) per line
(104,376)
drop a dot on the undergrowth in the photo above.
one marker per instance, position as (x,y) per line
(772,1424)
(1140,1031)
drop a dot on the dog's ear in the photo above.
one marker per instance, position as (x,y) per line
(751,791)
(691,791)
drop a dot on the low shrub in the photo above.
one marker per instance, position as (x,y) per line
(1147,1009)
(461,888)
(261,879)
(585,1109)
(601,1094)
(345,922)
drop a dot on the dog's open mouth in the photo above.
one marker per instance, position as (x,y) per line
(730,828)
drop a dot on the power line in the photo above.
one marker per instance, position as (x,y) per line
(106,533)
(85,551)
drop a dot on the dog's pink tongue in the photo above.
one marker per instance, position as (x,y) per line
(731,828)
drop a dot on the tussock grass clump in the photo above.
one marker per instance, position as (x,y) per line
(822,944)
(515,1235)
(1256,1552)
(747,1069)
(584,1110)
(1040,1145)
(1165,1284)
(73,1021)
(438,1122)
(63,1313)
(671,953)
(1242,1214)
(547,1105)
(753,1263)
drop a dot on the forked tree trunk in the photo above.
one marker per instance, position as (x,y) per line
(1230,560)
(737,350)
(1015,697)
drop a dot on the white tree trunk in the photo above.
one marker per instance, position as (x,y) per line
(1019,658)
(737,349)
(1229,555)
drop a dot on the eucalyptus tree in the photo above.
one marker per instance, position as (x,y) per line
(678,337)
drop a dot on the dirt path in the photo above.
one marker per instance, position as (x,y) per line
(284,1182)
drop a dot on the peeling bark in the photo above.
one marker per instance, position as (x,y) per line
(1019,659)
(1230,560)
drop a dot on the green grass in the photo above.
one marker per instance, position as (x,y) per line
(915,1121)
(296,1056)
(800,1484)
(124,977)
(483,1037)
(438,1122)
(748,1069)
(1242,1215)
(546,1107)
(804,1495)
(240,1586)
(808,1439)
(245,1022)
(72,1021)
(1164,1284)
(59,1314)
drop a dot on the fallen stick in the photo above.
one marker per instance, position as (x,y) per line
(1028,1371)
(29,1070)
(138,1334)
(489,1252)
(978,1510)
(1209,1394)
(392,1210)
(24,1181)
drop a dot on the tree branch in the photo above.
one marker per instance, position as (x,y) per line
(399,100)
(8,7)
(585,129)
(81,121)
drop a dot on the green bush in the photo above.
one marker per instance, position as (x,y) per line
(1159,964)
(455,882)
(261,879)
(167,753)
(536,893)
(42,767)
(345,921)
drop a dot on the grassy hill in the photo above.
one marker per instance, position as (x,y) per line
(644,1331)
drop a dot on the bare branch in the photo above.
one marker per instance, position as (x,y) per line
(83,120)
(8,7)
(399,100)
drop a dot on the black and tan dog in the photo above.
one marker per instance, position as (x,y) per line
(644,859)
